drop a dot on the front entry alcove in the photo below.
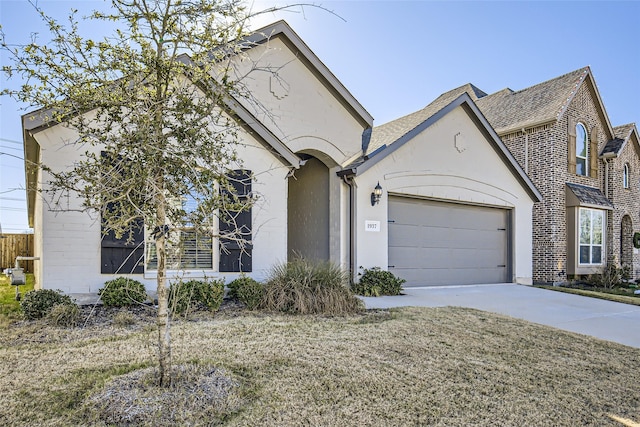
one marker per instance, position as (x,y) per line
(308,211)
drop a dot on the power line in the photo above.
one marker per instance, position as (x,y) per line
(11,148)
(11,140)
(10,155)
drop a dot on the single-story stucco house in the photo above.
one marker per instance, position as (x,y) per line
(455,206)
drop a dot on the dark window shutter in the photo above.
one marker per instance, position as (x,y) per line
(593,158)
(235,252)
(126,254)
(571,146)
(120,255)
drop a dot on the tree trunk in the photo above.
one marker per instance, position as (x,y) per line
(164,333)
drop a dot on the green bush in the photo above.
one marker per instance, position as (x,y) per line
(304,287)
(375,282)
(246,290)
(121,292)
(38,303)
(185,297)
(65,315)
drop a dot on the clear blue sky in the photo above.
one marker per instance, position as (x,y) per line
(397,56)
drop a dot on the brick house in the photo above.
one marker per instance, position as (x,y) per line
(587,171)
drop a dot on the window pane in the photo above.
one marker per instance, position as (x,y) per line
(596,238)
(581,166)
(596,255)
(625,176)
(193,251)
(584,255)
(585,226)
(581,141)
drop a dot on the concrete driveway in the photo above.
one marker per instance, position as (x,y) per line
(602,319)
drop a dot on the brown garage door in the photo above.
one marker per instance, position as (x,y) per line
(436,243)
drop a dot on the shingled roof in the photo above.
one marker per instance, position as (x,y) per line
(622,135)
(541,103)
(505,109)
(589,196)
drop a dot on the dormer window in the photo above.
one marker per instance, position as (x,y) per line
(582,150)
(625,176)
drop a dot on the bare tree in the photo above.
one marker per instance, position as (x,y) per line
(145,104)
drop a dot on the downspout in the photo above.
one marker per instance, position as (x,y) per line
(526,151)
(348,179)
(605,158)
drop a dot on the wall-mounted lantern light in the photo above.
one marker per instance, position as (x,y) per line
(377,193)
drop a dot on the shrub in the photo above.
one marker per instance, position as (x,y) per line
(246,290)
(610,276)
(121,292)
(123,318)
(66,315)
(38,303)
(196,294)
(304,287)
(375,282)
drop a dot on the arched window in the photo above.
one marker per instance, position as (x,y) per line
(625,176)
(582,150)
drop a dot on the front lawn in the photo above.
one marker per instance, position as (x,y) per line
(410,366)
(623,295)
(9,307)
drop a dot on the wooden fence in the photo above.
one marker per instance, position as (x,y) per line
(13,245)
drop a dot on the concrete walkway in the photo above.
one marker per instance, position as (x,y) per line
(602,319)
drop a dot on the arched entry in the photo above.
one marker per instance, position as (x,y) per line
(626,241)
(308,211)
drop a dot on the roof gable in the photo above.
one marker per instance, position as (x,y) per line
(306,55)
(622,135)
(429,116)
(392,131)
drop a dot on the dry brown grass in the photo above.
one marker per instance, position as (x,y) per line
(411,366)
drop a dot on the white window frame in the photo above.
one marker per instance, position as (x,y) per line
(580,158)
(625,176)
(181,242)
(590,241)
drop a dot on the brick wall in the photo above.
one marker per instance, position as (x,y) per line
(627,204)
(543,151)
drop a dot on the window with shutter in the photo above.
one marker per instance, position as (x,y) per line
(235,226)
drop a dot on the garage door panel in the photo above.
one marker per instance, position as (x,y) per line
(437,243)
(403,234)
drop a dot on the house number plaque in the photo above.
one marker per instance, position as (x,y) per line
(373,226)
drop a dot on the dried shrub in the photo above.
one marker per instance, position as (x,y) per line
(37,304)
(195,393)
(122,291)
(123,319)
(185,297)
(246,290)
(375,282)
(305,287)
(64,315)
